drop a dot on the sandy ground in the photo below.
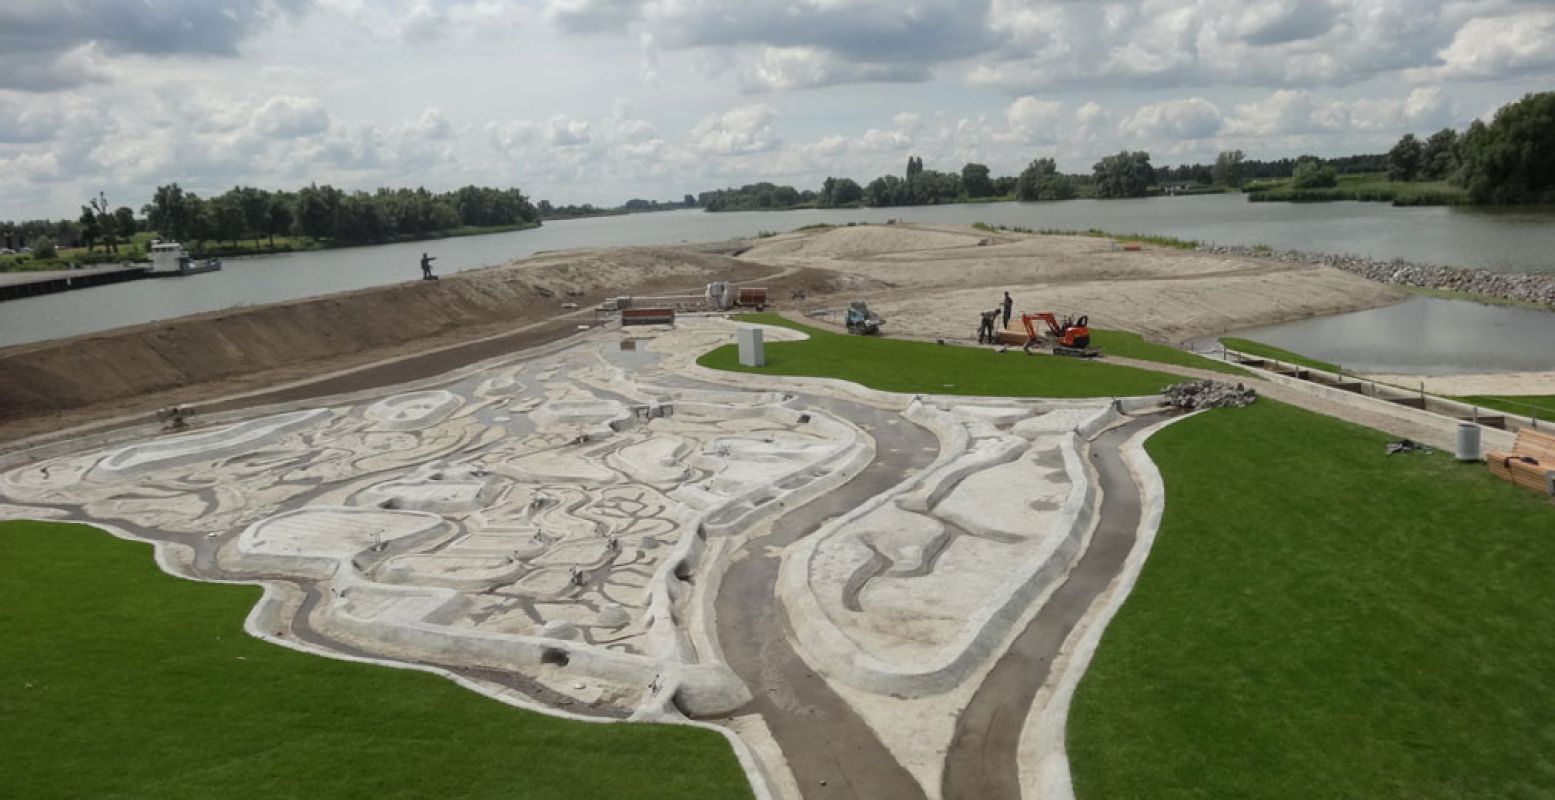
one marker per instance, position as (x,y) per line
(1503,383)
(942,277)
(928,281)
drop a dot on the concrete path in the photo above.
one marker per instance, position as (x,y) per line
(831,751)
(982,761)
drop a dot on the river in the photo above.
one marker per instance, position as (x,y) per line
(1519,240)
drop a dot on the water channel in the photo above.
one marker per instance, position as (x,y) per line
(1517,240)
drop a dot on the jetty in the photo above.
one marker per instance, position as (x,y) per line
(16,285)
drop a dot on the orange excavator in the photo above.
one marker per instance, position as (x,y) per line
(1072,337)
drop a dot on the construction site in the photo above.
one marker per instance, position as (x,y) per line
(528,478)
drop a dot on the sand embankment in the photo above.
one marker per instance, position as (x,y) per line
(140,368)
(943,276)
(1495,383)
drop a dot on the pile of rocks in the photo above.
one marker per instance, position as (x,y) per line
(1195,395)
(1522,287)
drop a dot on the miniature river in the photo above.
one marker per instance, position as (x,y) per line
(1518,240)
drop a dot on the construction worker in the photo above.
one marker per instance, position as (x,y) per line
(426,267)
(1009,306)
(985,333)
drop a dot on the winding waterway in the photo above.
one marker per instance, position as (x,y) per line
(1519,240)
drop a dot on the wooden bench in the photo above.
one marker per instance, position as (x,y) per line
(1536,475)
(648,316)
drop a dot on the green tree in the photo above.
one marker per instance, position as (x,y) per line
(124,222)
(1311,173)
(1040,180)
(1440,156)
(169,213)
(279,217)
(1511,160)
(1404,159)
(1228,169)
(1123,175)
(43,247)
(914,167)
(228,223)
(107,228)
(90,230)
(976,181)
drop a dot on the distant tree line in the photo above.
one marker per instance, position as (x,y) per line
(633,206)
(1510,160)
(245,213)
(754,197)
(325,213)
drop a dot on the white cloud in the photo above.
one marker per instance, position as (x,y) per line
(1033,120)
(1501,46)
(1193,118)
(788,68)
(287,117)
(738,131)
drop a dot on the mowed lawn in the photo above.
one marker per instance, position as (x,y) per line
(119,681)
(895,365)
(1520,405)
(1315,620)
(1319,620)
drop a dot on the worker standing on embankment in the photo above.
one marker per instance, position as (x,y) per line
(1009,305)
(426,267)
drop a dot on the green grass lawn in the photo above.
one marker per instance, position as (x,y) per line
(1253,348)
(1132,345)
(894,365)
(119,681)
(1318,620)
(1541,406)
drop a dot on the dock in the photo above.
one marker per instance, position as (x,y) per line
(16,285)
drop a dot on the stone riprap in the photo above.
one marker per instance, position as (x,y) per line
(1197,395)
(1537,289)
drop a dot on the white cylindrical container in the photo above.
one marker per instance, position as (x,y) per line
(1468,441)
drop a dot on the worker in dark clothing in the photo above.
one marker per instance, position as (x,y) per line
(426,267)
(1009,306)
(985,334)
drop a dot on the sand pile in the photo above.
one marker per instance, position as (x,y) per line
(1163,293)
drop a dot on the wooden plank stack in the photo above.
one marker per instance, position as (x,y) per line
(1531,462)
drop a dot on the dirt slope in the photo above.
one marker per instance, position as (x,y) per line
(289,339)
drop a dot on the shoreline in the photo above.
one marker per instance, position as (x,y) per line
(1528,289)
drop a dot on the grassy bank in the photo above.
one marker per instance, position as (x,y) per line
(1366,187)
(1525,406)
(894,365)
(121,681)
(1320,620)
(1141,238)
(1131,345)
(1261,350)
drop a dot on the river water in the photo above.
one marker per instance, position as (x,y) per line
(1520,240)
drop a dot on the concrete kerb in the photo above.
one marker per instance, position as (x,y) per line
(1044,762)
(1443,428)
(266,620)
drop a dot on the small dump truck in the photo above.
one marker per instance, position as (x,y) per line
(861,320)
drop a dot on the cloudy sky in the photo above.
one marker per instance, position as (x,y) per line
(603,100)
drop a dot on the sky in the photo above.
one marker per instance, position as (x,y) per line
(600,101)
